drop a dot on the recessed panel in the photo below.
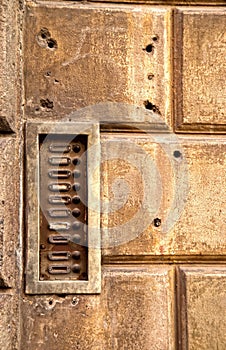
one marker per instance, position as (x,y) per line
(163,196)
(200,70)
(63,212)
(63,250)
(202,296)
(89,56)
(133,311)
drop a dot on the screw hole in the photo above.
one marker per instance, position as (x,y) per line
(157,222)
(44,34)
(150,76)
(155,38)
(52,44)
(177,154)
(149,48)
(50,302)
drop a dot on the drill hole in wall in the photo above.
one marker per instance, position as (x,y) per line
(149,48)
(155,38)
(52,44)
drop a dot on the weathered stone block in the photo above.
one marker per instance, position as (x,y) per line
(132,312)
(163,196)
(200,70)
(77,56)
(202,295)
(8,212)
(9,325)
(8,65)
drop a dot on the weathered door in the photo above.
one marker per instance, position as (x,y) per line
(151,76)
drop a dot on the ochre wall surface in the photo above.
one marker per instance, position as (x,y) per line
(152,73)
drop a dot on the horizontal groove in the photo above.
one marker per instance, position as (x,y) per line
(165,3)
(166,259)
(146,2)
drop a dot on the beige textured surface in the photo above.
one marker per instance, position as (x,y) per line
(199,227)
(200,69)
(99,56)
(132,312)
(203,302)
(8,64)
(8,213)
(9,325)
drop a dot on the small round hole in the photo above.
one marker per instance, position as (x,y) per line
(76,200)
(76,187)
(150,76)
(50,302)
(177,154)
(76,255)
(76,268)
(76,161)
(76,213)
(149,48)
(77,148)
(76,174)
(76,239)
(157,222)
(155,38)
(52,44)
(76,226)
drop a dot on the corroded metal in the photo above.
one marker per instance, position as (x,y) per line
(55,208)
(62,228)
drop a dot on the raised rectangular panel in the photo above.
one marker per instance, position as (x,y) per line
(202,298)
(163,196)
(63,250)
(200,70)
(134,310)
(90,56)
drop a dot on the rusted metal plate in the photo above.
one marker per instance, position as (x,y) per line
(89,55)
(202,297)
(63,166)
(134,310)
(63,245)
(200,70)
(163,196)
